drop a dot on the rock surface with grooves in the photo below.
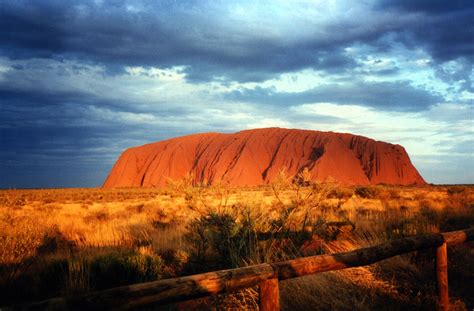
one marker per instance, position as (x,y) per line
(254,157)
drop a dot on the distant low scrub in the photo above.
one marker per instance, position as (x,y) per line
(367,192)
(456,190)
(341,193)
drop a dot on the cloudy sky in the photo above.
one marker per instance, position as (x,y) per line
(80,81)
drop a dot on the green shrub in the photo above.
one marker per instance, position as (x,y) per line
(220,236)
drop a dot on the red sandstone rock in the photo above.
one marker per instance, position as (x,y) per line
(254,157)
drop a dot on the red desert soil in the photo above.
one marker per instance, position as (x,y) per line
(254,157)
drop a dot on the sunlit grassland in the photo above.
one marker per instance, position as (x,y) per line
(69,241)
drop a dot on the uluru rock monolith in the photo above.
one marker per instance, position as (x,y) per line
(255,157)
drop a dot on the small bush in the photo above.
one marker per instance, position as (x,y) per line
(367,192)
(97,217)
(136,208)
(222,237)
(120,269)
(340,193)
(54,241)
(456,190)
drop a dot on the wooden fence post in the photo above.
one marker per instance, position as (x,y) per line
(269,295)
(442,276)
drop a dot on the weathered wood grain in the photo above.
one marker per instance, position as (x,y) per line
(458,237)
(269,295)
(442,276)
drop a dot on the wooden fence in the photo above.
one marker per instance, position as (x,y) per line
(266,276)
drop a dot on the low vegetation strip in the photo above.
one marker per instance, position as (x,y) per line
(225,281)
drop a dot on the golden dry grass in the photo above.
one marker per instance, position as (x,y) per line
(66,234)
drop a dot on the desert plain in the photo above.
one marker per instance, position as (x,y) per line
(64,242)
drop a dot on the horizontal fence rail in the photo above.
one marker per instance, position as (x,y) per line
(265,275)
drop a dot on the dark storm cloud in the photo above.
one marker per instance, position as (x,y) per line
(444,27)
(162,36)
(432,6)
(169,34)
(461,72)
(54,155)
(57,90)
(35,126)
(78,110)
(10,95)
(394,96)
(265,62)
(65,139)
